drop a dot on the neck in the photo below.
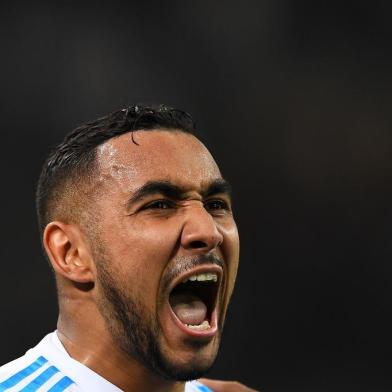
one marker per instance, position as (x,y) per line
(95,348)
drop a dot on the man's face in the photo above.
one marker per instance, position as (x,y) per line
(166,250)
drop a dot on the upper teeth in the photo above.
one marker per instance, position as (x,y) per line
(201,277)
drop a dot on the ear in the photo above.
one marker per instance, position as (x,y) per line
(68,252)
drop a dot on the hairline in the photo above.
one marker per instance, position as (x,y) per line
(82,177)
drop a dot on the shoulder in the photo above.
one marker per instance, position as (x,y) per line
(32,371)
(196,386)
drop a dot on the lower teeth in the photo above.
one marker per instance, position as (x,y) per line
(201,327)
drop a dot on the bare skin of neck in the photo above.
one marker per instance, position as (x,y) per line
(83,333)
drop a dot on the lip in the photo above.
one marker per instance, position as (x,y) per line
(192,333)
(205,268)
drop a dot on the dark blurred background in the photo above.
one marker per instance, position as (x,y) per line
(293,98)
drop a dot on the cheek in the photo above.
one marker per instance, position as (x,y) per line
(231,249)
(141,251)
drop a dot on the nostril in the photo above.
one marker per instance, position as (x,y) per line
(198,244)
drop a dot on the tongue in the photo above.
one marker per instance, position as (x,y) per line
(189,308)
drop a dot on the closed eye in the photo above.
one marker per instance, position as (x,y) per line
(216,205)
(162,204)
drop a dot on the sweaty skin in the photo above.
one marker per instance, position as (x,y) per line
(137,244)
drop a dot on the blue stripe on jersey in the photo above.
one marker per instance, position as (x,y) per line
(40,380)
(60,386)
(18,377)
(203,388)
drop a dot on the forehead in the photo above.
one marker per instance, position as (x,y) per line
(168,155)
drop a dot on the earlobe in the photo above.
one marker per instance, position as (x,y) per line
(66,249)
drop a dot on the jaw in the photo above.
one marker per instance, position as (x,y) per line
(186,360)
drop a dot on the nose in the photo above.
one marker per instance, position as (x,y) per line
(200,231)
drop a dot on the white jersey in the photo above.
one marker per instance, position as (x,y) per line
(48,368)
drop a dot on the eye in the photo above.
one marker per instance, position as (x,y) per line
(159,205)
(216,205)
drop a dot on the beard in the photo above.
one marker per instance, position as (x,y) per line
(135,330)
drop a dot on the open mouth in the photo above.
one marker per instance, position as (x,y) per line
(193,301)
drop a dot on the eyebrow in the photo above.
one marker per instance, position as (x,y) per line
(172,191)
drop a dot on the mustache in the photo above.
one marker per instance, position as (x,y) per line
(184,264)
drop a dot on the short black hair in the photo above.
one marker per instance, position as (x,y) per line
(74,159)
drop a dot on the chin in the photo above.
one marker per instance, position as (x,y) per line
(188,374)
(186,371)
(188,365)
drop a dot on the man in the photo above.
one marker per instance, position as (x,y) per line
(137,224)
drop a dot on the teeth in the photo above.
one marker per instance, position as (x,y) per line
(203,326)
(203,277)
